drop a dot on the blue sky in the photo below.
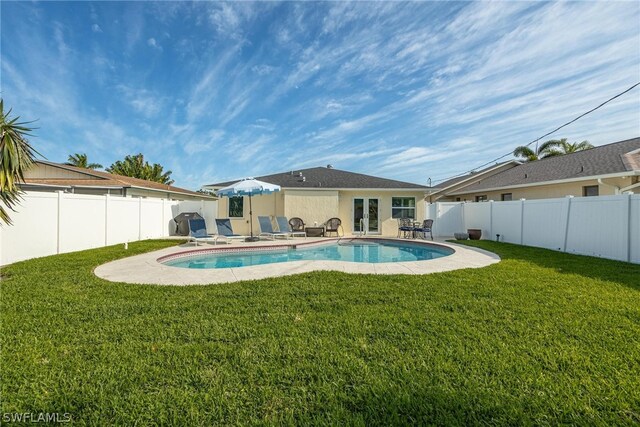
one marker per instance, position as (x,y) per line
(410,91)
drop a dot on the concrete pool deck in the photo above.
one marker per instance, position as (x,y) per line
(145,268)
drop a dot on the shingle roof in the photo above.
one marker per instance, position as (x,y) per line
(323,177)
(105,179)
(606,159)
(478,174)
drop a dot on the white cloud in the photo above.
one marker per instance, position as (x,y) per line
(96,28)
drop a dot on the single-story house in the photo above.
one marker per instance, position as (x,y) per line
(49,176)
(362,202)
(605,170)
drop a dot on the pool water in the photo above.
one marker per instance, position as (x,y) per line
(350,251)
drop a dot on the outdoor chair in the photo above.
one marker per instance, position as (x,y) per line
(426,227)
(198,232)
(334,225)
(226,231)
(284,227)
(297,224)
(405,227)
(266,229)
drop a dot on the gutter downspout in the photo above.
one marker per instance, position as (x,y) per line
(616,189)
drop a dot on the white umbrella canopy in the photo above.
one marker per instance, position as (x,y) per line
(248,187)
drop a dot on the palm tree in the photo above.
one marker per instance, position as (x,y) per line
(80,161)
(136,167)
(551,148)
(16,156)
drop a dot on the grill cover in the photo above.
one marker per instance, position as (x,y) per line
(182,222)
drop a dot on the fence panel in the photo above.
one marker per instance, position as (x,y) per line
(121,226)
(82,222)
(448,218)
(34,232)
(152,222)
(478,215)
(599,226)
(507,221)
(544,223)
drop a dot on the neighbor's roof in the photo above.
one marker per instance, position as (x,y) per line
(474,175)
(614,158)
(105,179)
(324,177)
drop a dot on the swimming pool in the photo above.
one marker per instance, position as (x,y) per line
(354,250)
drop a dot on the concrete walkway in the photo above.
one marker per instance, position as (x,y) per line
(145,268)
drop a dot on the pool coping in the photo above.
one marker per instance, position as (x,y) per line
(146,268)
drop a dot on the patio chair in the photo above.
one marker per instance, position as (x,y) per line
(297,224)
(426,227)
(405,227)
(198,232)
(334,225)
(226,231)
(284,227)
(266,229)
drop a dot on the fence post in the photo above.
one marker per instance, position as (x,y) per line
(163,229)
(60,196)
(490,219)
(139,218)
(566,224)
(628,227)
(106,219)
(522,220)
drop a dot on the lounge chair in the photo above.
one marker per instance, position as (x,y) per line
(334,225)
(266,229)
(284,227)
(226,231)
(198,232)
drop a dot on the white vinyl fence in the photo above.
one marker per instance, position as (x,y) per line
(605,226)
(53,223)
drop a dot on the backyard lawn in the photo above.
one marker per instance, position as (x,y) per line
(539,338)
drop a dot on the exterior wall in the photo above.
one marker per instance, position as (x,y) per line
(265,205)
(311,205)
(140,192)
(546,191)
(389,225)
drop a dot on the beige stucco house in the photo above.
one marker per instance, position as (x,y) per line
(363,203)
(50,176)
(605,170)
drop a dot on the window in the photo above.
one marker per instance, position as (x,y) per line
(457,199)
(590,190)
(505,197)
(482,198)
(236,207)
(403,207)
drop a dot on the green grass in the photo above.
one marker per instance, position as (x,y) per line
(539,338)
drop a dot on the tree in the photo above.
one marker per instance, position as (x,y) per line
(16,156)
(80,160)
(551,148)
(135,166)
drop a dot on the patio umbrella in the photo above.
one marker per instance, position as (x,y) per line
(248,187)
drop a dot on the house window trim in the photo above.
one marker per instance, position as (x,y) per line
(229,207)
(482,198)
(506,194)
(407,208)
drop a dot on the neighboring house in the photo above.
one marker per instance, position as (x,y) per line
(318,194)
(49,176)
(604,170)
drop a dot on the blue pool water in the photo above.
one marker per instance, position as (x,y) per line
(351,251)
